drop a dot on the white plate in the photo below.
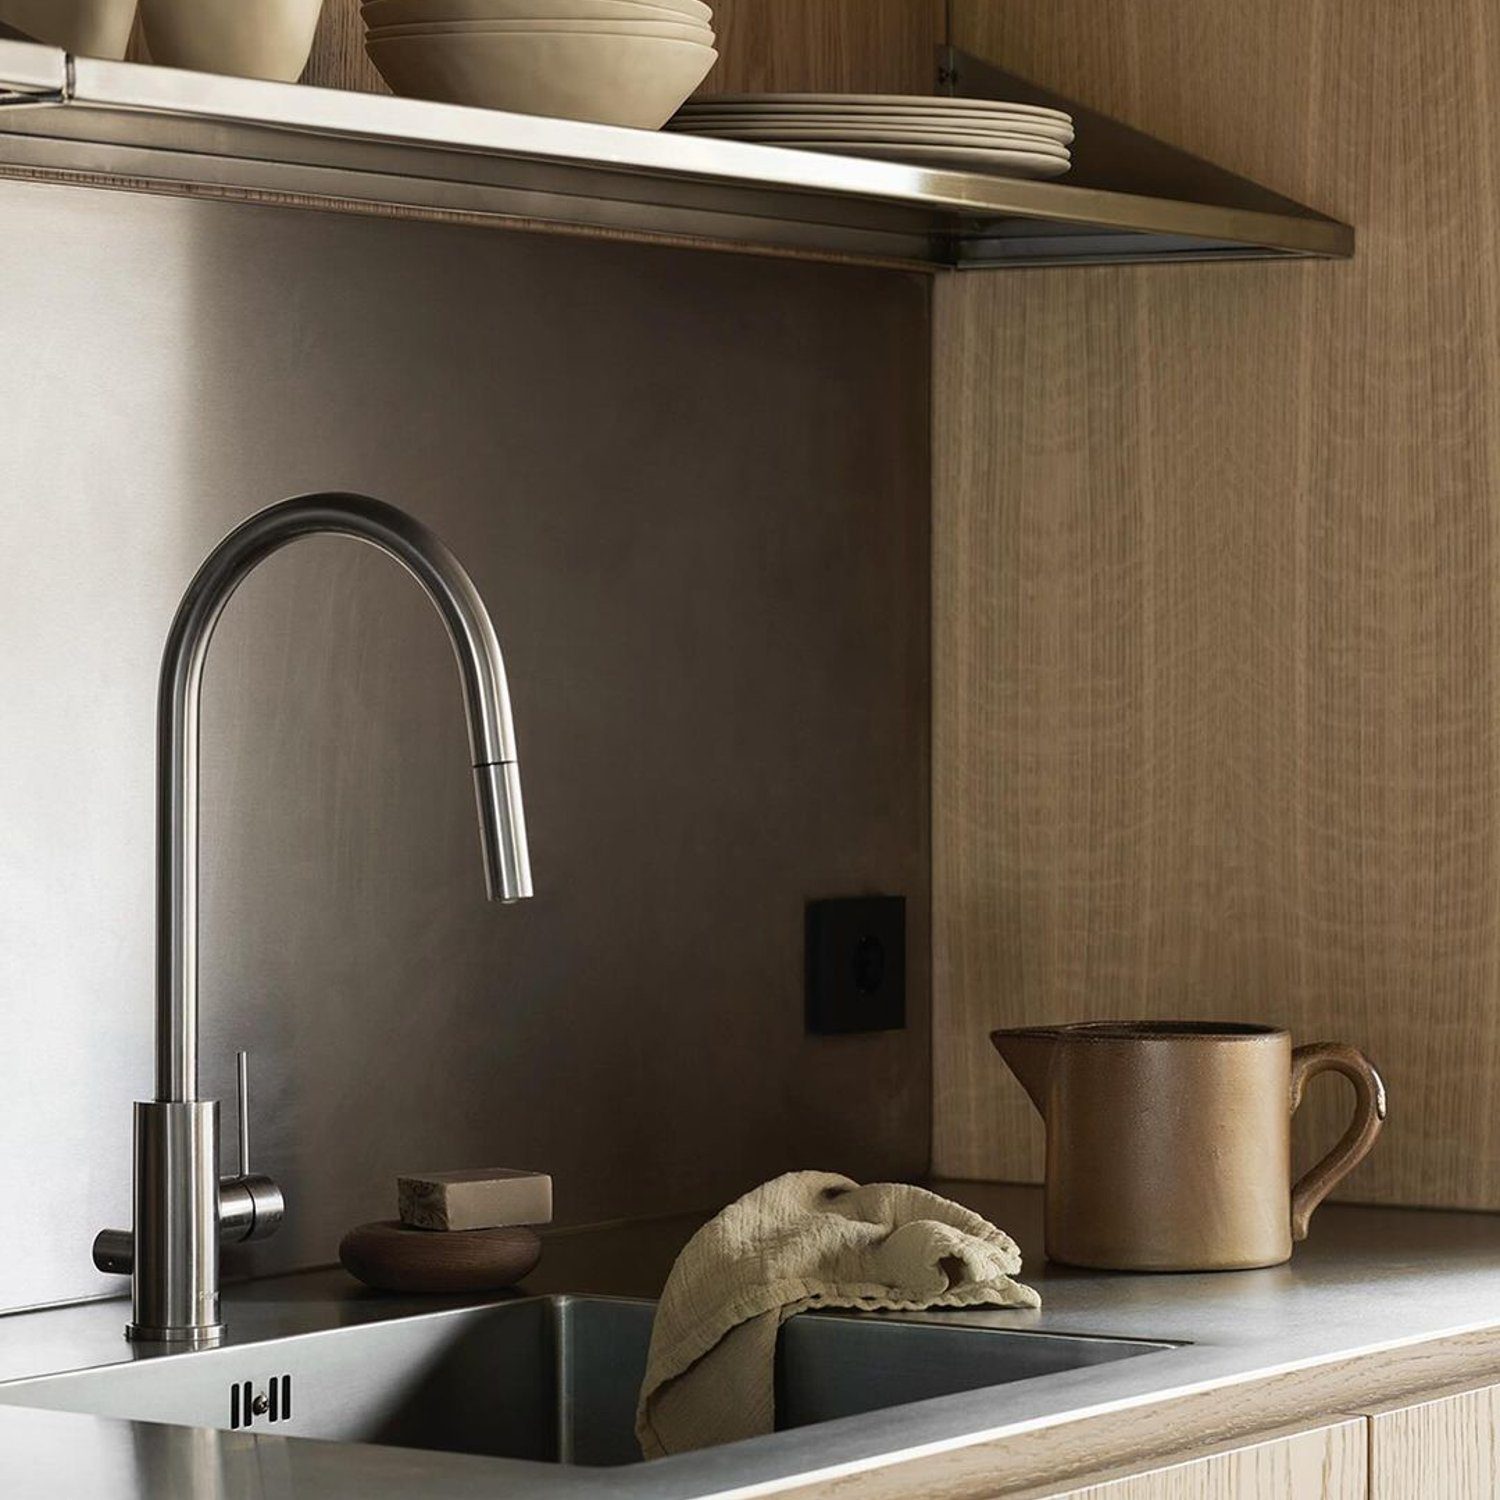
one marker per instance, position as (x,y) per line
(942,107)
(960,158)
(1047,130)
(981,139)
(874,101)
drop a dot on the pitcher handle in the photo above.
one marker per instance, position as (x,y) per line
(1369,1115)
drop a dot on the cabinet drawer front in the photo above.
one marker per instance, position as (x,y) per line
(1443,1449)
(1323,1463)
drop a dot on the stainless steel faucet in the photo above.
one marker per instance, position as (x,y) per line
(183,1212)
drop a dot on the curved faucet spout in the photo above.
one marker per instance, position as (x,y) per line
(502,822)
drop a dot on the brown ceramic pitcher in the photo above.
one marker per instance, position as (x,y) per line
(1169,1142)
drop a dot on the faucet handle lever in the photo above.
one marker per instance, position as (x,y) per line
(251,1206)
(242,1113)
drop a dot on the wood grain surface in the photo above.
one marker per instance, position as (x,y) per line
(1217,685)
(1321,1463)
(1447,1447)
(847,46)
(338,58)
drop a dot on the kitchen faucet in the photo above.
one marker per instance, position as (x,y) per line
(183,1211)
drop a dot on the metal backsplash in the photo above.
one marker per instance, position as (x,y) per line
(693,490)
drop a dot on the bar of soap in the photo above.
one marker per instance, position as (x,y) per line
(486,1198)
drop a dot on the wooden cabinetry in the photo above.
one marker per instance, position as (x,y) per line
(1439,1447)
(1444,1448)
(1215,699)
(1321,1463)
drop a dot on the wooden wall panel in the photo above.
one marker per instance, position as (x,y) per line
(338,58)
(1217,685)
(854,45)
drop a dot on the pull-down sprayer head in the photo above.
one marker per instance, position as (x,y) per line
(502,831)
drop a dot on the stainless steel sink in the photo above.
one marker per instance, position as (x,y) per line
(549,1379)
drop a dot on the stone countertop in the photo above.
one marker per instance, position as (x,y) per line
(1369,1284)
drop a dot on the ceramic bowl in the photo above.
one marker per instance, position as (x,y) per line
(378,13)
(267,39)
(613,80)
(699,36)
(91,28)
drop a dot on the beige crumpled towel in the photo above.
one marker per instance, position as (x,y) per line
(809,1239)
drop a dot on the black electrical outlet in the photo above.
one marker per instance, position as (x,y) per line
(856,965)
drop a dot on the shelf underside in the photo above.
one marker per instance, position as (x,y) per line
(130,126)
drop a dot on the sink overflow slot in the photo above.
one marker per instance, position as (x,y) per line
(274,1403)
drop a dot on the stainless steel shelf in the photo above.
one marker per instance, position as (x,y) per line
(160,130)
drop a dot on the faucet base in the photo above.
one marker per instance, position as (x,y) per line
(200,1338)
(175,1287)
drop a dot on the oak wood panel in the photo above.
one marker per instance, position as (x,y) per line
(136,49)
(1321,1463)
(1144,1436)
(1217,686)
(853,45)
(338,59)
(1445,1448)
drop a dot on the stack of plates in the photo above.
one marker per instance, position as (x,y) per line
(1013,140)
(618,62)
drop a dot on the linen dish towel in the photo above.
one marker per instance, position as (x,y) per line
(808,1239)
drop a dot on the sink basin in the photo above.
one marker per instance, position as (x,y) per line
(547,1379)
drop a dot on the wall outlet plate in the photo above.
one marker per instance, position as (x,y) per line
(856,965)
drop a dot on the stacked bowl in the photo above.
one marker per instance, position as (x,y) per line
(617,62)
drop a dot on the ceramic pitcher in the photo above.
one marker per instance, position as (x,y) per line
(1169,1142)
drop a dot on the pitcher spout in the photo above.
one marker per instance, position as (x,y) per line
(1028,1052)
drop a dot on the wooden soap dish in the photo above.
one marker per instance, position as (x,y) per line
(394,1257)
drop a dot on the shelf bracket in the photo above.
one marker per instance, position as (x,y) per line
(1110,156)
